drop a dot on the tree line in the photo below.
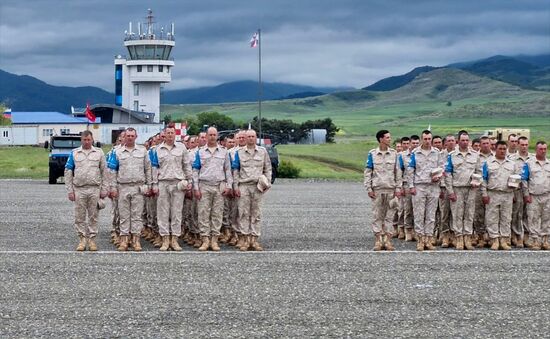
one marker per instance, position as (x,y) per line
(279,131)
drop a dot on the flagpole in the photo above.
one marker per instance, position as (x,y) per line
(260,82)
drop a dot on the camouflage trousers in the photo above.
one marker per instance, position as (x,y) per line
(210,209)
(407,213)
(249,205)
(538,216)
(190,215)
(382,214)
(462,210)
(115,216)
(169,208)
(479,215)
(445,215)
(424,207)
(498,214)
(519,215)
(85,205)
(151,206)
(130,207)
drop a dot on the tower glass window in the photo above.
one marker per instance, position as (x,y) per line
(161,69)
(139,68)
(149,68)
(136,105)
(136,90)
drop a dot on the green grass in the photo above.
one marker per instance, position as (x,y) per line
(23,162)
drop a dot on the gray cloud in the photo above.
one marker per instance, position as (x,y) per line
(328,43)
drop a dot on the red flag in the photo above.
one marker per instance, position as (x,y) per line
(89,114)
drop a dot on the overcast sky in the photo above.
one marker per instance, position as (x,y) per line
(319,43)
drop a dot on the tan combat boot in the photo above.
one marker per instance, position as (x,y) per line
(504,244)
(165,243)
(428,243)
(198,241)
(481,243)
(514,239)
(116,239)
(519,243)
(526,240)
(401,233)
(245,243)
(420,244)
(409,234)
(535,244)
(214,243)
(388,244)
(459,243)
(123,245)
(174,244)
(395,231)
(82,244)
(158,241)
(234,240)
(545,243)
(468,242)
(136,242)
(255,245)
(445,240)
(494,244)
(473,239)
(92,246)
(205,244)
(377,242)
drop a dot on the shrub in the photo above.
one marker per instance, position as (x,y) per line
(288,170)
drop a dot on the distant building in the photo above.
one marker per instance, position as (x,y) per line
(139,75)
(315,136)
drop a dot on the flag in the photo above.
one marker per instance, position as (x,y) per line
(7,114)
(254,41)
(89,114)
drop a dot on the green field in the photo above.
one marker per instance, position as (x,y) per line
(23,162)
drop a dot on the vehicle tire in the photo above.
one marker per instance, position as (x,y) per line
(52,179)
(273,174)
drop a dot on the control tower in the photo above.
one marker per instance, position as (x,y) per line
(138,76)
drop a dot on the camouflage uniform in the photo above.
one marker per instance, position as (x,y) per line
(115,216)
(170,165)
(536,183)
(85,177)
(131,170)
(407,209)
(444,214)
(479,215)
(211,175)
(382,176)
(459,169)
(190,210)
(519,213)
(427,192)
(498,213)
(248,166)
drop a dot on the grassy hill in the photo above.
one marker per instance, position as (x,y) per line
(447,99)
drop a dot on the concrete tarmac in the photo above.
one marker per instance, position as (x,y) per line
(317,278)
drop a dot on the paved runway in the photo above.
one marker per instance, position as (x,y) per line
(317,278)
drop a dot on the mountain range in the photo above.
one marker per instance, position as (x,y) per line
(26,93)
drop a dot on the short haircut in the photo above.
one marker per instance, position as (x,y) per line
(540,142)
(404,139)
(130,129)
(86,134)
(523,138)
(476,141)
(513,135)
(426,131)
(415,137)
(380,134)
(484,138)
(462,131)
(436,137)
(501,142)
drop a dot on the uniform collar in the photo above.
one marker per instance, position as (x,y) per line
(379,151)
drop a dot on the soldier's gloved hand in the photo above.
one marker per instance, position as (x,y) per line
(71,196)
(452,197)
(198,194)
(486,200)
(372,195)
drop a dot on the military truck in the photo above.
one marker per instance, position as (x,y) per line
(503,133)
(60,146)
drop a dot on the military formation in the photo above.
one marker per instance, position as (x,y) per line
(203,190)
(460,193)
(438,191)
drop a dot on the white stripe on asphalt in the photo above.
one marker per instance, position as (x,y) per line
(275,252)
